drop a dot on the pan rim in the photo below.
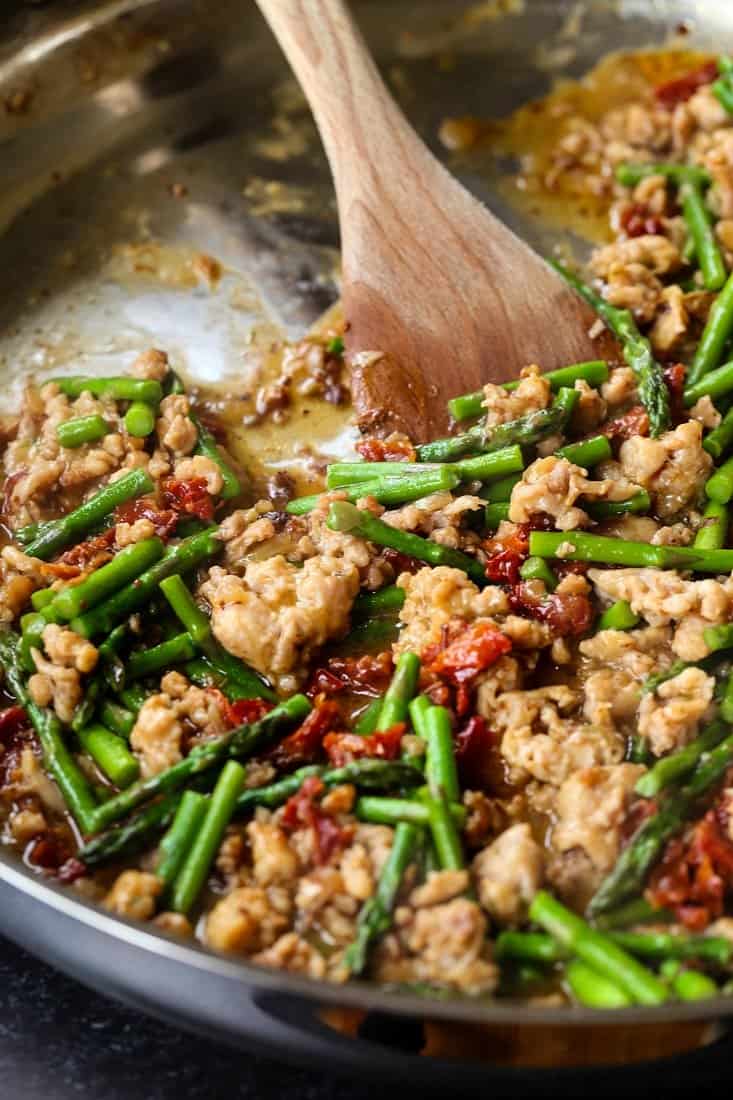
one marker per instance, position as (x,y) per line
(353,994)
(195,956)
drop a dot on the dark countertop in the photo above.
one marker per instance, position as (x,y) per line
(59,1041)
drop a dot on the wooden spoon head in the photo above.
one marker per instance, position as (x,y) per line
(454,300)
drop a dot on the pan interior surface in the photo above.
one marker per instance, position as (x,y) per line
(164,185)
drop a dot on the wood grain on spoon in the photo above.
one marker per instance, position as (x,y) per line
(430,277)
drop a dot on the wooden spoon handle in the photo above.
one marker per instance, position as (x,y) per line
(355,113)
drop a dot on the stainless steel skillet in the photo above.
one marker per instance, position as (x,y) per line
(135,134)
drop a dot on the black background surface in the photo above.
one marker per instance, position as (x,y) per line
(59,1041)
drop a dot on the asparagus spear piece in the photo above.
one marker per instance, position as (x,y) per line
(597,950)
(714,532)
(496,513)
(689,985)
(481,468)
(174,651)
(111,754)
(631,174)
(387,490)
(80,430)
(723,92)
(661,945)
(178,840)
(637,352)
(627,876)
(57,760)
(715,335)
(719,487)
(190,879)
(718,637)
(470,405)
(637,911)
(208,447)
(440,767)
(537,569)
(140,419)
(390,811)
(618,616)
(529,947)
(371,604)
(181,557)
(366,774)
(58,533)
(343,516)
(527,429)
(634,505)
(367,721)
(716,383)
(719,440)
(499,492)
(400,691)
(541,947)
(443,787)
(117,718)
(131,835)
(580,546)
(241,743)
(133,697)
(376,913)
(121,389)
(588,452)
(594,989)
(669,769)
(124,568)
(707,251)
(445,833)
(418,710)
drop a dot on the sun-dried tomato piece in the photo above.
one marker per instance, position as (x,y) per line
(475,748)
(694,874)
(303,811)
(71,870)
(342,748)
(401,563)
(507,553)
(631,423)
(190,497)
(476,647)
(242,710)
(91,554)
(368,675)
(12,719)
(567,614)
(386,450)
(304,744)
(682,88)
(163,519)
(48,851)
(674,377)
(325,682)
(638,220)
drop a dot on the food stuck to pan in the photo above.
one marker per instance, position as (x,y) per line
(462,721)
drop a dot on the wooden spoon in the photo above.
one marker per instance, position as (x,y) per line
(451,296)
